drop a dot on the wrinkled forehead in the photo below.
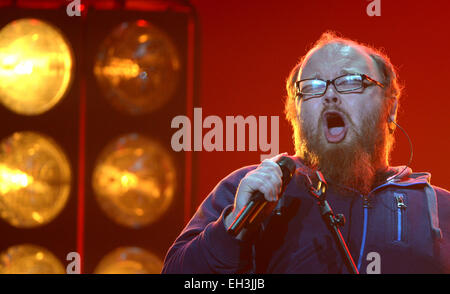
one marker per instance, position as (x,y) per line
(335,59)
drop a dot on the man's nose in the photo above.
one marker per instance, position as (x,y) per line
(331,96)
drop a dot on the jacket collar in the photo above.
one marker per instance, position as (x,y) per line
(402,175)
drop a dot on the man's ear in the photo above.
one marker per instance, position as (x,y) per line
(393,112)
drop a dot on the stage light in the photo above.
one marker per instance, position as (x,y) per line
(35,178)
(29,259)
(134,180)
(120,68)
(35,66)
(137,67)
(129,260)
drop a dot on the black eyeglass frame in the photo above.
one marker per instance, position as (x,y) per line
(364,77)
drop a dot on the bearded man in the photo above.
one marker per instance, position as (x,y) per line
(342,102)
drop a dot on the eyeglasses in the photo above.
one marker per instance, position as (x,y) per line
(313,88)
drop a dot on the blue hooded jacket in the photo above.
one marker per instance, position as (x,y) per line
(405,221)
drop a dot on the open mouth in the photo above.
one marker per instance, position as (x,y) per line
(335,127)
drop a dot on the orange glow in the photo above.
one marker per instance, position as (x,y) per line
(13,179)
(138,67)
(134,180)
(129,260)
(35,66)
(29,259)
(35,180)
(118,69)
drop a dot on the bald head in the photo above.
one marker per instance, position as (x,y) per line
(338,58)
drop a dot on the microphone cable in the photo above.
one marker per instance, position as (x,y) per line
(410,156)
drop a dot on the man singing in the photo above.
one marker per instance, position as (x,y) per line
(342,102)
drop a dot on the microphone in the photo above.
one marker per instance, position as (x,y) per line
(250,213)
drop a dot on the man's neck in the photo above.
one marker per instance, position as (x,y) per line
(382,175)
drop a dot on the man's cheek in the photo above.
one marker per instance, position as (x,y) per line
(312,124)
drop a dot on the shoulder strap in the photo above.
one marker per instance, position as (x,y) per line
(433,211)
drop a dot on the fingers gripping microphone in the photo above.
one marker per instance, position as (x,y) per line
(257,204)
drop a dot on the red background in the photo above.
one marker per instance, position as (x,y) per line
(248,48)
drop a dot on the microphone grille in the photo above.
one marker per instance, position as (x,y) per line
(287,166)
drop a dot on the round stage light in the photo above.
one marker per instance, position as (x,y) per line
(35,179)
(129,260)
(35,66)
(29,259)
(134,180)
(137,67)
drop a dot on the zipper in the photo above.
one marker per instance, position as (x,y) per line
(401,206)
(363,241)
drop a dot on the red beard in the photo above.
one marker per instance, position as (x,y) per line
(357,163)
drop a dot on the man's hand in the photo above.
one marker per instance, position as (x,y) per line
(266,178)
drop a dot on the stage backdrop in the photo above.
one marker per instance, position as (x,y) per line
(249,47)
